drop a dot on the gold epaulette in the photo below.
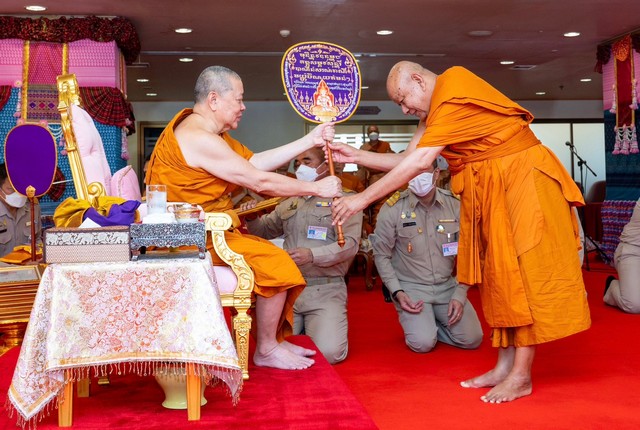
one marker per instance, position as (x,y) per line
(394,198)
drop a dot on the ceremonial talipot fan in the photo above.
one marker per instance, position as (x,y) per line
(31,158)
(322,83)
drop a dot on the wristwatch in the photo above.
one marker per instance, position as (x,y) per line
(395,293)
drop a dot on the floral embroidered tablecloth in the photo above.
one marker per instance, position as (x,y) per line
(122,317)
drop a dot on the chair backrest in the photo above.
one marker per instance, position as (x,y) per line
(89,166)
(124,183)
(68,95)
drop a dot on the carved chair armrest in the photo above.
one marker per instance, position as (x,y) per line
(218,223)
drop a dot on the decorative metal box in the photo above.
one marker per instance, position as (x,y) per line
(168,235)
(86,245)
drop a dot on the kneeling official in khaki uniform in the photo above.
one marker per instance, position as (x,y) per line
(321,310)
(414,245)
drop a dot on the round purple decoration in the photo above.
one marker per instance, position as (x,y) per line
(31,157)
(322,81)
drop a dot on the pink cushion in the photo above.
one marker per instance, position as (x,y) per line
(94,160)
(226,279)
(124,183)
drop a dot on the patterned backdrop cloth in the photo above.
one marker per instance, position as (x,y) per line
(615,215)
(96,64)
(12,54)
(45,64)
(142,317)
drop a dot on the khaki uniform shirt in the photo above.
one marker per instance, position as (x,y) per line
(17,231)
(408,246)
(305,222)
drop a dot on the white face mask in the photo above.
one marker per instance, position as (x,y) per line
(422,184)
(373,135)
(15,199)
(306,173)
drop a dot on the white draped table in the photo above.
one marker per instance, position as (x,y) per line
(121,317)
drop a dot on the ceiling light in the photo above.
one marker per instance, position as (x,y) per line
(183,30)
(285,33)
(35,8)
(186,59)
(152,94)
(540,93)
(364,87)
(480,33)
(585,80)
(506,62)
(384,32)
(572,34)
(142,80)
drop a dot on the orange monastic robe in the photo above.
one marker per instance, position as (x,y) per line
(351,182)
(274,270)
(519,240)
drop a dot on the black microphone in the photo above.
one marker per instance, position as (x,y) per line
(569,144)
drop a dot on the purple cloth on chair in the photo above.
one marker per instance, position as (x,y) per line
(123,214)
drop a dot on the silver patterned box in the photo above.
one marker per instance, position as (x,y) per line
(86,245)
(172,235)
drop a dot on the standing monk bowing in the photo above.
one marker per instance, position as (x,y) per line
(518,236)
(201,164)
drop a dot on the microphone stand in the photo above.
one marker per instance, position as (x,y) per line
(583,179)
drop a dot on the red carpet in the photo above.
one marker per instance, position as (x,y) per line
(272,399)
(587,381)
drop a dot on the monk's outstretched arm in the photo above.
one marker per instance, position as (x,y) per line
(384,162)
(212,154)
(412,164)
(271,159)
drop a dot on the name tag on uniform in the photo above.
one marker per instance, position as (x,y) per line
(449,249)
(317,233)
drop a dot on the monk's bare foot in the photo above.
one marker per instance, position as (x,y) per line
(489,379)
(281,358)
(304,352)
(508,390)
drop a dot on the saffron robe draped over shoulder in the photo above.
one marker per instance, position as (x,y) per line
(519,240)
(274,270)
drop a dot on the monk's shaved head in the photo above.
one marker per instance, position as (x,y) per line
(410,86)
(214,78)
(400,73)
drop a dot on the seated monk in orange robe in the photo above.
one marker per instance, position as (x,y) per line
(519,239)
(349,180)
(201,164)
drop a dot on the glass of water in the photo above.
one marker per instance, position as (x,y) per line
(156,199)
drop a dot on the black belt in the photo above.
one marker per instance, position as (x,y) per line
(324,280)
